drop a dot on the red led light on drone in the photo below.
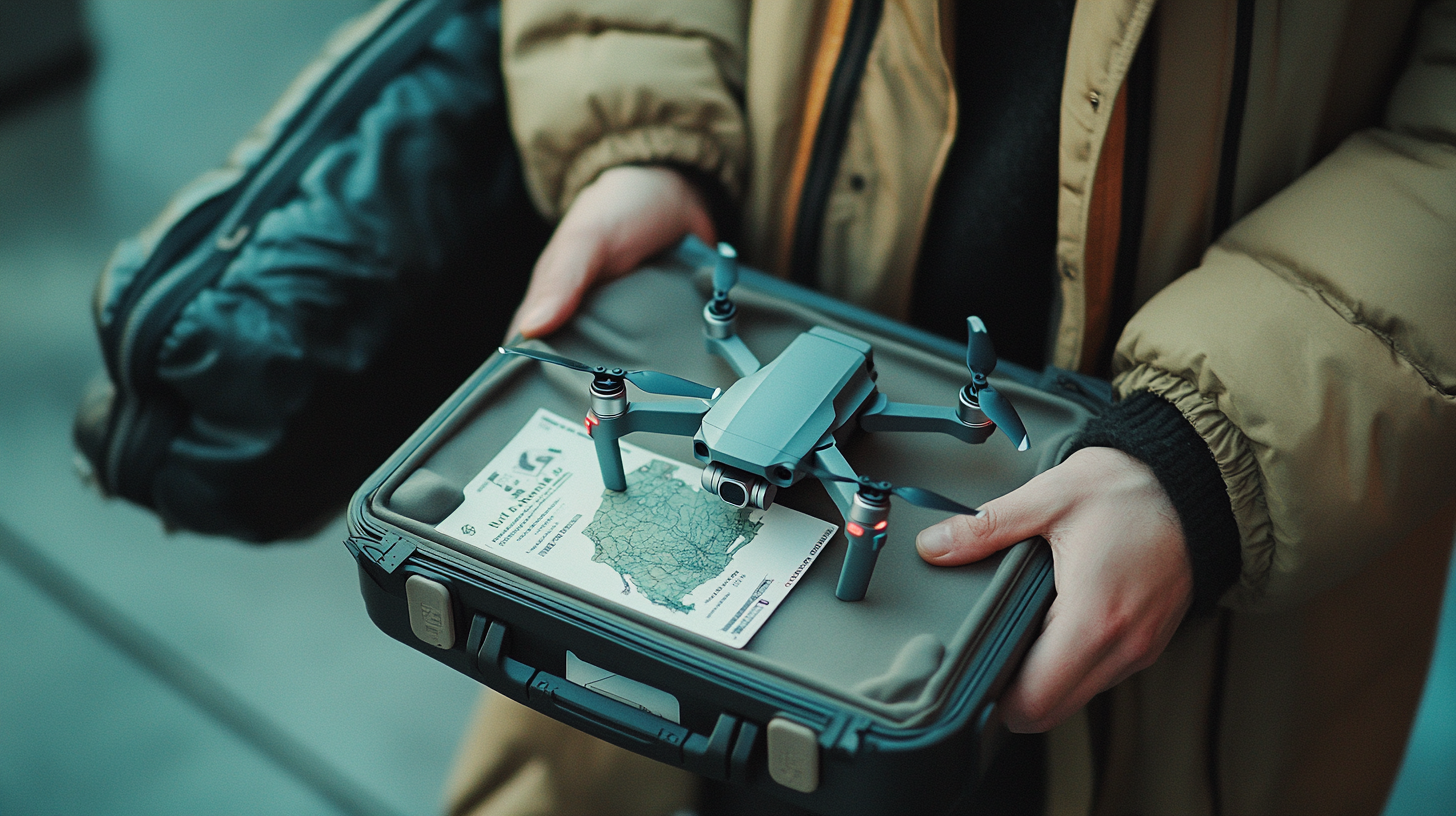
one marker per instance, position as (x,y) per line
(591,422)
(856,530)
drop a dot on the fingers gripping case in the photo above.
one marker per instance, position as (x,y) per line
(881,705)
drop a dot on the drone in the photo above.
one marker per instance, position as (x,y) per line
(785,420)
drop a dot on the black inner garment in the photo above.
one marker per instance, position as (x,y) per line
(990,242)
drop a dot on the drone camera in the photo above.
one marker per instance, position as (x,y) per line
(740,489)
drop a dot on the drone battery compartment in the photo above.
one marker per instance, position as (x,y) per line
(892,655)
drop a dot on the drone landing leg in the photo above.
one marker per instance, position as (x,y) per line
(859,564)
(609,457)
(865,530)
(866,517)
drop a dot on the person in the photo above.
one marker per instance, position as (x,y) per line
(1244,211)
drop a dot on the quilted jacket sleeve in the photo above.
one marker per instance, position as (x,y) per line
(600,83)
(1315,347)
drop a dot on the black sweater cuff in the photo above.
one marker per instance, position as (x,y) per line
(1153,431)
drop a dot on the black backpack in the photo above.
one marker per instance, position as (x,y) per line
(291,316)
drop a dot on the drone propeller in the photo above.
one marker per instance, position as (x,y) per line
(980,351)
(981,360)
(653,382)
(917,496)
(725,272)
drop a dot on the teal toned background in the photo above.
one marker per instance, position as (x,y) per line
(262,687)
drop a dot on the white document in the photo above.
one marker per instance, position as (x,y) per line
(664,547)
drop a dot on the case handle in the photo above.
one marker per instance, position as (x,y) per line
(601,716)
(487,643)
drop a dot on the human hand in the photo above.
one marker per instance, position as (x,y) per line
(626,216)
(1123,578)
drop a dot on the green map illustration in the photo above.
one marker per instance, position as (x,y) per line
(665,536)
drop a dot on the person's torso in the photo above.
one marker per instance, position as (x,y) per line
(853,111)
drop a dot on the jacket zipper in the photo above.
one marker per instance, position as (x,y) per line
(1138,87)
(1233,122)
(829,137)
(1222,218)
(166,284)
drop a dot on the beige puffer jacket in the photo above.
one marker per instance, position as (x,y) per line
(1312,344)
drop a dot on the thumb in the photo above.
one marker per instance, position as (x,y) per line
(1015,517)
(563,273)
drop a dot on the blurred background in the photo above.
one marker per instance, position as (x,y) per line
(151,673)
(141,672)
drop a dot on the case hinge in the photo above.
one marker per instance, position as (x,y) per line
(389,552)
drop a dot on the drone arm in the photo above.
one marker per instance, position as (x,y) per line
(735,352)
(842,493)
(676,418)
(886,415)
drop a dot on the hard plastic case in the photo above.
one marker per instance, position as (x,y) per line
(885,705)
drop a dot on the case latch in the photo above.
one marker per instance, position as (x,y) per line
(793,755)
(431,614)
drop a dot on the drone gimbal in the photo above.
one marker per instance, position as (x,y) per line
(785,420)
